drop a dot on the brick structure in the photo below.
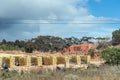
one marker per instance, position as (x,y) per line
(53,60)
(79,49)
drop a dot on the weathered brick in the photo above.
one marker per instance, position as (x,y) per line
(82,48)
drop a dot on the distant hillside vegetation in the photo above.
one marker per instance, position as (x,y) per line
(49,43)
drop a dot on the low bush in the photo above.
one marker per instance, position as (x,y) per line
(11,48)
(111,56)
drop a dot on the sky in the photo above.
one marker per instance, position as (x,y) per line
(26,19)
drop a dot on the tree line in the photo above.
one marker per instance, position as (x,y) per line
(55,44)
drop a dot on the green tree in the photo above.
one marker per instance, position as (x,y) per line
(29,47)
(86,39)
(103,42)
(116,37)
(48,43)
(4,42)
(111,56)
(91,52)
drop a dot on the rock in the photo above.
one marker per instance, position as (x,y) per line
(59,68)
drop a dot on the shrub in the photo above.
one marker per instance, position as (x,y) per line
(111,56)
(11,48)
(91,52)
(83,59)
(116,37)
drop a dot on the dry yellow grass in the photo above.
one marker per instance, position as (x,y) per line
(47,60)
(7,61)
(73,59)
(60,60)
(103,73)
(34,60)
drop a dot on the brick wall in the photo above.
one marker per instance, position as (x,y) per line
(82,48)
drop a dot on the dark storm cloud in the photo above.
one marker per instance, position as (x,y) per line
(6,23)
(3,27)
(19,31)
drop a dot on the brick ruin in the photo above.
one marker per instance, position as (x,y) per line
(79,49)
(28,60)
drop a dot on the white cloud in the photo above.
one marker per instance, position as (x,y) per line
(73,13)
(36,9)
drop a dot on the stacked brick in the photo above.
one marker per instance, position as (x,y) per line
(39,60)
(47,60)
(79,49)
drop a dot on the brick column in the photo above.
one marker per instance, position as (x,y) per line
(66,62)
(88,59)
(0,61)
(12,61)
(54,62)
(78,58)
(28,61)
(39,58)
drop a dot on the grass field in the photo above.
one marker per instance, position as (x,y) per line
(93,72)
(104,72)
